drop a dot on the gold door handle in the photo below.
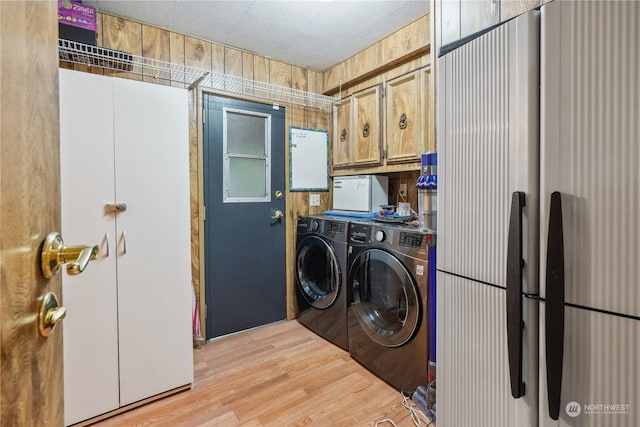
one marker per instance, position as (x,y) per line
(55,253)
(277,215)
(50,314)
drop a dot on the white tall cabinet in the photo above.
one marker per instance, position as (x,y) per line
(127,335)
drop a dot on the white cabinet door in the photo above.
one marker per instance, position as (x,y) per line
(86,166)
(488,149)
(600,371)
(472,359)
(154,252)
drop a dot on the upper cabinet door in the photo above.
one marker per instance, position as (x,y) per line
(368,116)
(342,133)
(404,121)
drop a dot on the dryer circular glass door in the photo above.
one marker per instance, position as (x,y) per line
(317,272)
(385,298)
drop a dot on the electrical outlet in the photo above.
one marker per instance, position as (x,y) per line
(314,200)
(403,190)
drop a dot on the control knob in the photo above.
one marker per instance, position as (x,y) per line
(314,225)
(380,236)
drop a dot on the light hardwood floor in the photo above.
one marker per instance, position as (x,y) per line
(277,375)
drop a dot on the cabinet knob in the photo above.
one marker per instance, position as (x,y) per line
(343,135)
(365,130)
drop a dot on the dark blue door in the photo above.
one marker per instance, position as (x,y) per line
(244,178)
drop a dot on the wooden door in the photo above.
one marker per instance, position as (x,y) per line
(342,133)
(404,120)
(31,367)
(153,238)
(367,122)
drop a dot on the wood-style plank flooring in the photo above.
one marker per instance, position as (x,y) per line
(277,375)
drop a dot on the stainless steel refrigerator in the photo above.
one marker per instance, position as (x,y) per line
(538,258)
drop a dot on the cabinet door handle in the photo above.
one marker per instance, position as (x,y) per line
(106,237)
(115,207)
(124,242)
(403,121)
(514,295)
(554,307)
(343,135)
(365,130)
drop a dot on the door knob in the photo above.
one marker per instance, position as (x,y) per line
(50,314)
(277,215)
(55,253)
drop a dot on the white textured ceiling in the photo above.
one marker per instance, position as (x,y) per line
(315,34)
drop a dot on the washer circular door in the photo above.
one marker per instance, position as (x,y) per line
(385,298)
(317,272)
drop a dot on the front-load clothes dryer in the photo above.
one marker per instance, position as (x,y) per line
(321,261)
(387,317)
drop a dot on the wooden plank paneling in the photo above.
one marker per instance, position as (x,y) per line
(232,62)
(366,60)
(197,53)
(280,73)
(217,58)
(247,65)
(299,78)
(156,45)
(261,67)
(409,38)
(405,44)
(124,35)
(176,56)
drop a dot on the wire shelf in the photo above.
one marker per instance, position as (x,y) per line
(95,56)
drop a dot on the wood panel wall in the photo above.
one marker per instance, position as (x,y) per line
(409,42)
(127,35)
(404,51)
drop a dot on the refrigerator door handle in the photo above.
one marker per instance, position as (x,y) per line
(554,306)
(515,323)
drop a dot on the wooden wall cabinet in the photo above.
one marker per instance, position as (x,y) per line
(357,129)
(398,130)
(127,335)
(404,123)
(342,133)
(367,110)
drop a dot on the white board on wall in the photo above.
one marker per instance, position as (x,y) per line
(308,159)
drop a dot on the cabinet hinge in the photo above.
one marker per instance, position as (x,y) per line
(384,154)
(204,213)
(204,117)
(383,92)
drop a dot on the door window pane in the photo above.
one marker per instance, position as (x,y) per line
(246,139)
(247,177)
(245,134)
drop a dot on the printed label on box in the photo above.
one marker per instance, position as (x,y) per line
(77,14)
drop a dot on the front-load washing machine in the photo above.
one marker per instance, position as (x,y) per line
(321,257)
(387,315)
